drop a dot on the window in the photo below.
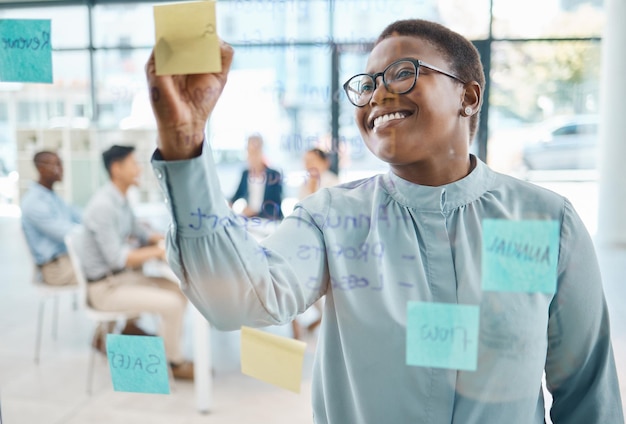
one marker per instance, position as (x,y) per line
(123,25)
(536,82)
(68,24)
(558,19)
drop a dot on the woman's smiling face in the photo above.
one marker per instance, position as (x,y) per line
(422,127)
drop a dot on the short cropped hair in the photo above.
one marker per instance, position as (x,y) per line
(114,154)
(41,156)
(319,153)
(256,136)
(461,54)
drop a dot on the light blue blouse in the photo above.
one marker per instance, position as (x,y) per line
(373,245)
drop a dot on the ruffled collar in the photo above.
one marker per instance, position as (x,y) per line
(443,198)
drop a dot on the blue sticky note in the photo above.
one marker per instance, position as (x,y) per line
(520,256)
(137,364)
(442,335)
(25,50)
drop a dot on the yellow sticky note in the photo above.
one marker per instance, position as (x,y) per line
(274,359)
(186,39)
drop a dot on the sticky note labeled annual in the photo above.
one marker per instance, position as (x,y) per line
(442,335)
(520,256)
(186,39)
(274,359)
(25,51)
(137,364)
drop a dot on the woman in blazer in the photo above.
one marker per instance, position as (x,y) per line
(260,186)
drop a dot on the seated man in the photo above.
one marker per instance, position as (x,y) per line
(116,246)
(46,219)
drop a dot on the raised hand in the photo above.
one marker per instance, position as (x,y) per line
(182,105)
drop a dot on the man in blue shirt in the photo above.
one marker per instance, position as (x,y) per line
(46,219)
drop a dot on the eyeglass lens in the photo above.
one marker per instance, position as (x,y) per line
(398,78)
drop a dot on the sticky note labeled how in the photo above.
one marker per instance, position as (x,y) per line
(186,39)
(25,51)
(274,359)
(137,364)
(520,256)
(442,335)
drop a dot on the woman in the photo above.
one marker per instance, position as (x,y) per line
(318,173)
(380,247)
(260,186)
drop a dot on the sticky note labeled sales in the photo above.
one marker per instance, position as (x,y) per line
(520,256)
(25,51)
(442,335)
(274,359)
(137,364)
(186,39)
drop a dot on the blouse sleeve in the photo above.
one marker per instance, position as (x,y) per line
(229,276)
(580,368)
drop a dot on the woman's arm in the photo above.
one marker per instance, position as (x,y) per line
(580,368)
(229,276)
(225,272)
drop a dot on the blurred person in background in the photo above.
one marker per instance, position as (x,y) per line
(114,249)
(46,220)
(318,173)
(260,186)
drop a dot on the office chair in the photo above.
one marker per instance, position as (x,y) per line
(101,318)
(47,292)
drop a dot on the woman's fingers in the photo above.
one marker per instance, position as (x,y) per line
(182,104)
(226,52)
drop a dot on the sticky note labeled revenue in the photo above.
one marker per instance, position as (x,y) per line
(442,335)
(137,364)
(25,51)
(271,358)
(520,256)
(186,39)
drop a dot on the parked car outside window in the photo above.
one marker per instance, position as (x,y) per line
(563,143)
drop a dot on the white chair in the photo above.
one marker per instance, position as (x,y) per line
(102,318)
(47,292)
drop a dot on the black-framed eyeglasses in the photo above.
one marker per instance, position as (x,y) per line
(398,78)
